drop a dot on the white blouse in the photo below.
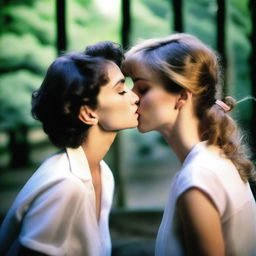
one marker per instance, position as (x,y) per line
(55,212)
(218,178)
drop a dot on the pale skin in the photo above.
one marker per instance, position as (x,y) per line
(200,218)
(179,125)
(116,110)
(96,138)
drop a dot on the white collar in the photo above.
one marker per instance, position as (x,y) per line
(79,165)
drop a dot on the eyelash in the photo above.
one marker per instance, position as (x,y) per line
(123,92)
(142,90)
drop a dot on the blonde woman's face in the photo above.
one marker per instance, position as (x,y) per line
(157,106)
(117,105)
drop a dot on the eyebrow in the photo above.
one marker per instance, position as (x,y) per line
(122,80)
(138,79)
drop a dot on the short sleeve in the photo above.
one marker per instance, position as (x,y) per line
(48,220)
(205,180)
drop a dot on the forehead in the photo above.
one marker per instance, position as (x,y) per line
(135,67)
(139,69)
(113,71)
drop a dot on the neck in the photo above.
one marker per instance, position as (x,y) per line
(183,136)
(97,145)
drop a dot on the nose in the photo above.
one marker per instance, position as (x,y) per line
(135,98)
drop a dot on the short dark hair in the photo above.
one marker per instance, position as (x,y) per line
(108,50)
(71,81)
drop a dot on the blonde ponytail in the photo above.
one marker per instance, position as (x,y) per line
(221,130)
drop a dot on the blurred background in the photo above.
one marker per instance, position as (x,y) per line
(33,33)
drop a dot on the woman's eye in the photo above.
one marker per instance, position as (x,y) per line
(142,90)
(122,92)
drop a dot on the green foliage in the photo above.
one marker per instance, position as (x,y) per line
(26,44)
(147,24)
(85,3)
(200,20)
(36,21)
(15,97)
(239,50)
(91,24)
(158,8)
(23,2)
(24,52)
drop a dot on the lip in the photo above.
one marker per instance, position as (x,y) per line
(137,115)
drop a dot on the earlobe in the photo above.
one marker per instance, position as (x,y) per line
(178,105)
(88,115)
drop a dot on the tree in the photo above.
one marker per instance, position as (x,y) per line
(25,43)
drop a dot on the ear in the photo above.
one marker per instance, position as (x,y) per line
(182,98)
(88,115)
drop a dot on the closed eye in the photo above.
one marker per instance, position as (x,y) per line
(140,85)
(142,90)
(122,92)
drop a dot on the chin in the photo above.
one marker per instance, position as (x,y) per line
(134,124)
(142,129)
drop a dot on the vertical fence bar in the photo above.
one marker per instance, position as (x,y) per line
(117,146)
(61,39)
(126,23)
(252,8)
(5,19)
(221,39)
(178,15)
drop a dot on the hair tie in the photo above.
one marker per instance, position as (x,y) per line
(223,105)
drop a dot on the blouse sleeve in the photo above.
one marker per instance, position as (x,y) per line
(49,218)
(205,180)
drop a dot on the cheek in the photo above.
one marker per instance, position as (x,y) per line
(157,106)
(117,115)
(150,103)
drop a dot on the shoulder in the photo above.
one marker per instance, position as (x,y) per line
(199,170)
(55,170)
(54,160)
(52,180)
(61,194)
(204,174)
(208,163)
(59,191)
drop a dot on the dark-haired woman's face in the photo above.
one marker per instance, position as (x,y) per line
(117,105)
(157,106)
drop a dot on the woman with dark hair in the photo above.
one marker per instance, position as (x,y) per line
(64,207)
(211,209)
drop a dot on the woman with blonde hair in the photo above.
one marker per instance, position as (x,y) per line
(211,209)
